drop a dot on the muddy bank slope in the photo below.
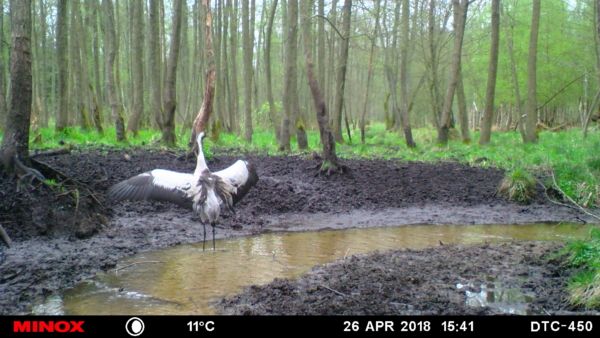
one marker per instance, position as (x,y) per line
(520,278)
(376,193)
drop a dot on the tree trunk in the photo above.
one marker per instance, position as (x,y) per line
(321,43)
(248,37)
(341,72)
(16,134)
(97,95)
(155,63)
(272,110)
(291,32)
(109,64)
(62,47)
(404,112)
(168,127)
(201,120)
(369,71)
(531,108)
(330,161)
(137,55)
(233,45)
(79,62)
(515,77)
(591,108)
(3,107)
(460,13)
(463,115)
(433,58)
(488,114)
(293,94)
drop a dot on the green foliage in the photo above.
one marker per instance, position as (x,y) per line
(565,28)
(585,285)
(518,185)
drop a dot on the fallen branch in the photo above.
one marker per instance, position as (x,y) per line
(5,237)
(333,290)
(555,186)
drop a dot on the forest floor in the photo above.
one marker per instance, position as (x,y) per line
(50,253)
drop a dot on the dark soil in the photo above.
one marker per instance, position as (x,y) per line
(53,251)
(421,282)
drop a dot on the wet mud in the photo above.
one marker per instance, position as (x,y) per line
(289,196)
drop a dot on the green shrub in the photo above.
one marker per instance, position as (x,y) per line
(518,186)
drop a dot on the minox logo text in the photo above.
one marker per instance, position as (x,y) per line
(60,326)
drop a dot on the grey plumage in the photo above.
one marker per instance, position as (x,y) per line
(203,191)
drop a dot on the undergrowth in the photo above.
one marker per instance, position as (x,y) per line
(585,286)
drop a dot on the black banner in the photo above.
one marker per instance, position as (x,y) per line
(233,326)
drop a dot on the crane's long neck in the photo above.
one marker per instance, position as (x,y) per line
(201,162)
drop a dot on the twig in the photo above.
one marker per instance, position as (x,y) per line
(5,237)
(334,291)
(135,263)
(570,199)
(330,23)
(560,91)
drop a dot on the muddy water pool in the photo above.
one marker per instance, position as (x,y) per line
(187,280)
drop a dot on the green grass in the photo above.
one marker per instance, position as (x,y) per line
(518,185)
(585,285)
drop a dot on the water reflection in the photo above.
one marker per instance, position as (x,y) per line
(185,279)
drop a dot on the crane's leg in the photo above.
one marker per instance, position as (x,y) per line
(204,239)
(213,226)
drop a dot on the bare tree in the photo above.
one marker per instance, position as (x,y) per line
(330,162)
(463,116)
(248,37)
(201,120)
(168,125)
(373,39)
(155,63)
(62,114)
(341,72)
(290,80)
(488,115)
(404,111)
(109,64)
(94,22)
(137,54)
(460,13)
(268,77)
(2,70)
(78,65)
(531,107)
(233,45)
(514,75)
(16,133)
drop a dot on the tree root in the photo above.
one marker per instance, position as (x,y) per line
(65,179)
(327,168)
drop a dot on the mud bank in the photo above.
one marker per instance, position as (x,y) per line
(375,193)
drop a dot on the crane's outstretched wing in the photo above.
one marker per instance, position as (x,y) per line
(158,185)
(241,175)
